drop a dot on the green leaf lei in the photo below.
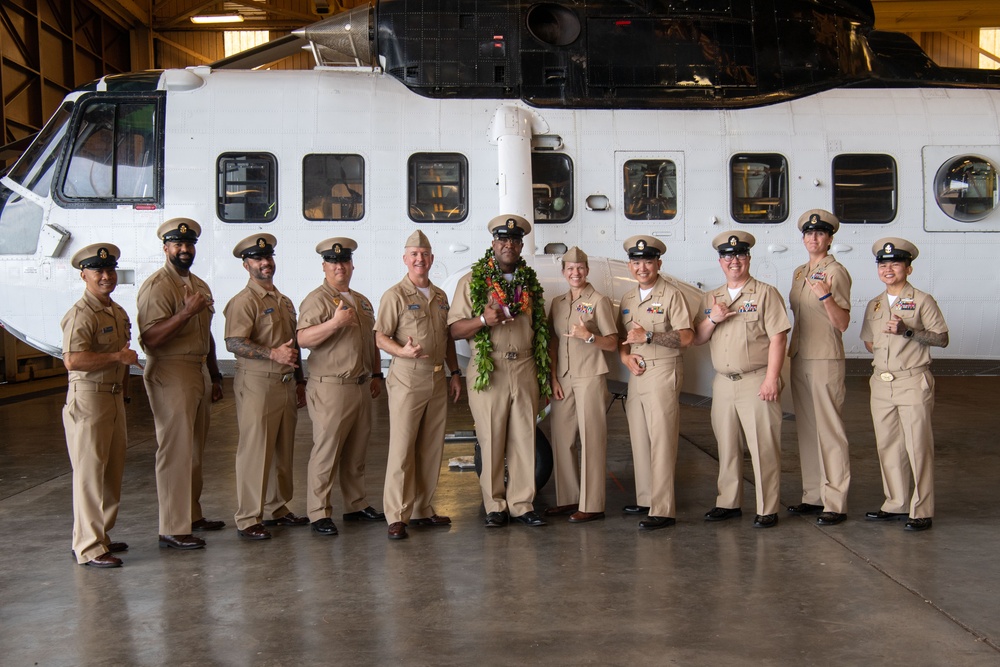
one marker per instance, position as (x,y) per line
(486,273)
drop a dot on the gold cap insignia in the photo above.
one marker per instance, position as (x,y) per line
(261,243)
(814,218)
(183,228)
(641,245)
(103,253)
(337,248)
(511,224)
(733,240)
(887,248)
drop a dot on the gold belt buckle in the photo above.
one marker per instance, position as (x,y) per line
(438,367)
(287,377)
(734,376)
(116,388)
(887,377)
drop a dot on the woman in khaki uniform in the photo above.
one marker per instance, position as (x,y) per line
(900,327)
(96,335)
(583,328)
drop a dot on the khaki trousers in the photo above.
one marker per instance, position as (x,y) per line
(653,413)
(818,395)
(505,427)
(180,396)
(418,407)
(901,413)
(266,413)
(96,440)
(583,411)
(342,422)
(738,415)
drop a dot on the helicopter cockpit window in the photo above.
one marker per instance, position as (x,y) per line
(552,187)
(333,187)
(438,187)
(864,188)
(114,154)
(650,190)
(759,188)
(247,187)
(966,188)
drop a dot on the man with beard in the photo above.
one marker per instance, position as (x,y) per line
(260,331)
(412,326)
(182,380)
(344,377)
(499,307)
(654,324)
(96,335)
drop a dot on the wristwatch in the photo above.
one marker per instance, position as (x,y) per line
(908,333)
(589,340)
(649,337)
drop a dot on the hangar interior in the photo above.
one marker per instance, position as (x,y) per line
(858,593)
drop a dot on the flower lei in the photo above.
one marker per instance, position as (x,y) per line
(521,293)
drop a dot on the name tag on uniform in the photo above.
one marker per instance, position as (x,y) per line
(748,307)
(906,304)
(108,329)
(413,306)
(269,311)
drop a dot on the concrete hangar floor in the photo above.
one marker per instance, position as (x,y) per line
(859,593)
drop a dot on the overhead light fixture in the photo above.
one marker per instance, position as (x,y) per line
(218,18)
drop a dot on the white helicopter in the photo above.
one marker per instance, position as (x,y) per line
(597,120)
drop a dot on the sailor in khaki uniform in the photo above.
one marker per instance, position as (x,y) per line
(900,327)
(182,380)
(654,324)
(335,323)
(820,299)
(583,328)
(412,326)
(96,335)
(260,331)
(745,321)
(500,309)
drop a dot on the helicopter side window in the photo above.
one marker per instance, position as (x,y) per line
(966,188)
(864,188)
(438,187)
(650,190)
(333,187)
(552,187)
(247,187)
(114,155)
(759,188)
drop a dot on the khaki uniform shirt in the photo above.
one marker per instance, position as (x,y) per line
(160,297)
(663,310)
(404,312)
(266,318)
(741,343)
(348,352)
(919,312)
(575,357)
(89,326)
(515,337)
(813,336)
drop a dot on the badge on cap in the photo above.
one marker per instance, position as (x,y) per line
(337,248)
(182,228)
(103,253)
(888,248)
(733,240)
(814,219)
(640,244)
(511,224)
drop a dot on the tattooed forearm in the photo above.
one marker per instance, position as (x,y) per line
(667,339)
(931,339)
(243,347)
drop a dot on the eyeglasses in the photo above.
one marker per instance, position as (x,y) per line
(729,259)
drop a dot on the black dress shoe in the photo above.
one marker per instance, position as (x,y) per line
(496,519)
(560,510)
(918,524)
(584,517)
(207,524)
(805,508)
(765,521)
(830,518)
(325,526)
(104,560)
(529,519)
(433,520)
(181,542)
(397,531)
(723,513)
(656,522)
(635,509)
(367,514)
(117,547)
(885,516)
(254,532)
(288,520)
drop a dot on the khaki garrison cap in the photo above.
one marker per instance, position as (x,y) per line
(575,256)
(892,248)
(509,225)
(179,229)
(644,246)
(733,242)
(818,220)
(96,256)
(256,246)
(337,249)
(417,240)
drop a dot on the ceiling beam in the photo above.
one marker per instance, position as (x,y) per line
(936,15)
